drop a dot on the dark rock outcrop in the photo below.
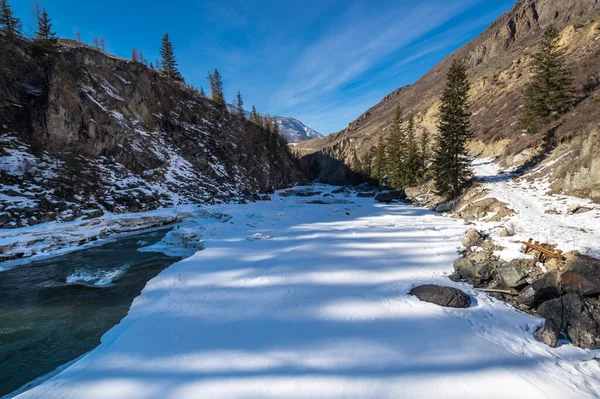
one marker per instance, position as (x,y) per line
(82,127)
(443,296)
(575,316)
(391,196)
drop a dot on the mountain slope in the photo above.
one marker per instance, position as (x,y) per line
(83,133)
(295,131)
(497,62)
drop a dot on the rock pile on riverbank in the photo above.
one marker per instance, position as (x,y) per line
(562,290)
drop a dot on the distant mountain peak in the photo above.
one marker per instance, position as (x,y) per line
(295,131)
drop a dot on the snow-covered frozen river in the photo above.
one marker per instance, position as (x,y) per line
(293,299)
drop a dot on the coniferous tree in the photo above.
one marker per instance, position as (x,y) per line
(134,55)
(202,93)
(411,165)
(379,161)
(395,151)
(240,103)
(549,93)
(102,44)
(78,36)
(255,116)
(424,150)
(356,163)
(451,161)
(168,64)
(44,30)
(8,22)
(216,88)
(368,162)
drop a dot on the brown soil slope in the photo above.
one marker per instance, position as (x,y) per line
(498,62)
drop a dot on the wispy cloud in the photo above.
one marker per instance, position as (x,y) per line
(366,45)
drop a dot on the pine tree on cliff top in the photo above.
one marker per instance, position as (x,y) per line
(240,103)
(549,92)
(44,30)
(451,161)
(8,22)
(216,88)
(168,63)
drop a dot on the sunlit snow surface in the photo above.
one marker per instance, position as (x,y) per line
(297,300)
(531,201)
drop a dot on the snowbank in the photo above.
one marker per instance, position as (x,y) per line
(296,300)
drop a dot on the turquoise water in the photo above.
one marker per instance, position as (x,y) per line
(55,310)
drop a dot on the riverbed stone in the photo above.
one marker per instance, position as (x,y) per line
(389,196)
(443,296)
(472,238)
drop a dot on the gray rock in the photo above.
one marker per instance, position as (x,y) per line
(473,272)
(573,208)
(576,316)
(539,291)
(443,296)
(444,207)
(515,273)
(366,194)
(390,196)
(549,333)
(582,274)
(472,238)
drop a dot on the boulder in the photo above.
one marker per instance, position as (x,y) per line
(549,333)
(576,316)
(389,196)
(366,194)
(475,272)
(581,274)
(444,207)
(515,273)
(573,208)
(472,238)
(539,291)
(443,296)
(504,232)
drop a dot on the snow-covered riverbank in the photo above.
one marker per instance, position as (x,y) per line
(293,299)
(54,238)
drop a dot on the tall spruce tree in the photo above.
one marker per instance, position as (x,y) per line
(395,151)
(255,116)
(379,161)
(424,150)
(549,93)
(44,30)
(240,103)
(216,88)
(168,62)
(451,160)
(411,165)
(8,22)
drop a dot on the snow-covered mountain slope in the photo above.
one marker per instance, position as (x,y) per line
(308,298)
(82,133)
(295,131)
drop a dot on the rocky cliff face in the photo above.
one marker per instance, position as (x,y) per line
(498,62)
(82,132)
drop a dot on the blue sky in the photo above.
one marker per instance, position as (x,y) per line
(324,62)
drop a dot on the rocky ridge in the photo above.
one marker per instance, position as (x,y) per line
(83,133)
